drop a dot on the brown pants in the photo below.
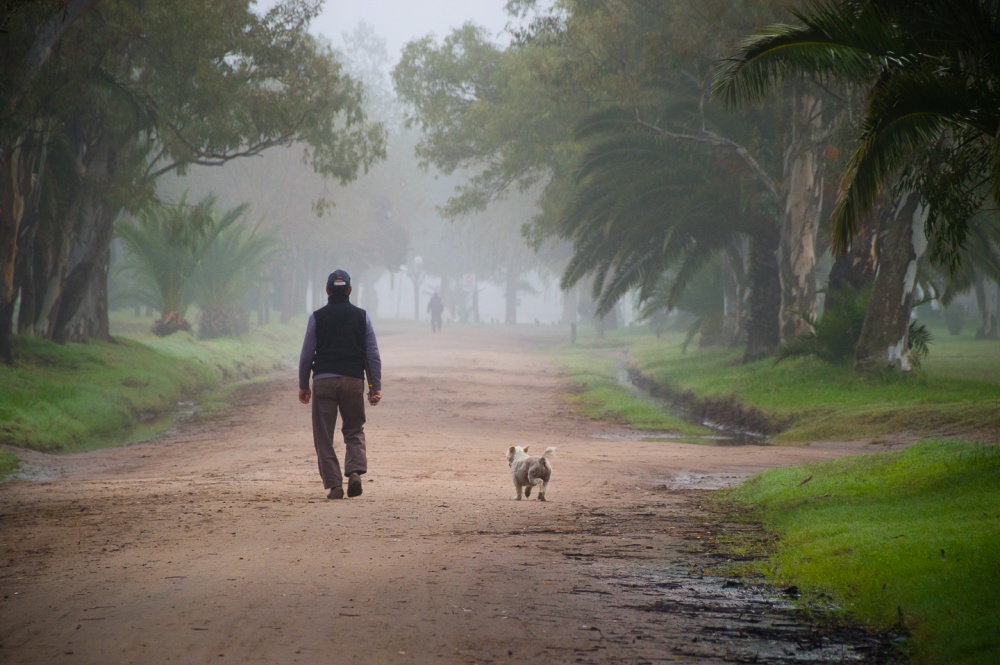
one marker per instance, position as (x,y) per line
(347,395)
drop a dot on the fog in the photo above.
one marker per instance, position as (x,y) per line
(399,21)
(385,228)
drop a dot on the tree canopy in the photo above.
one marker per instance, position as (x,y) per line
(133,91)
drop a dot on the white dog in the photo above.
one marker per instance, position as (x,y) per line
(529,471)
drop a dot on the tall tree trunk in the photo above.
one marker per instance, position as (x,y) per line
(476,318)
(91,319)
(734,288)
(570,315)
(855,269)
(48,36)
(607,322)
(369,293)
(19,165)
(87,262)
(764,298)
(510,296)
(288,292)
(32,265)
(89,229)
(803,200)
(43,254)
(417,277)
(987,300)
(885,333)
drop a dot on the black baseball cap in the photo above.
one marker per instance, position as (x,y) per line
(338,279)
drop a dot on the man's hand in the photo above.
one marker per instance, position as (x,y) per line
(304,395)
(374,397)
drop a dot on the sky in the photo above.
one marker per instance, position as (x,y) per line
(400,21)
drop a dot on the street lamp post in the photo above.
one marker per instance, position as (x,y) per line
(417,277)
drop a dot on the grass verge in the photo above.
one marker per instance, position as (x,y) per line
(595,370)
(76,397)
(911,536)
(953,395)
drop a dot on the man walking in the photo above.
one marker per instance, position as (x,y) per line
(435,306)
(339,349)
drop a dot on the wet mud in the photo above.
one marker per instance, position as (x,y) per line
(679,608)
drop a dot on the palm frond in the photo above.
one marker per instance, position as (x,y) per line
(839,40)
(905,115)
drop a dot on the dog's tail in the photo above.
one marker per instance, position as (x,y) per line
(549,451)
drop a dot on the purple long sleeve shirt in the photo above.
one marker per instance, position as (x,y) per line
(372,357)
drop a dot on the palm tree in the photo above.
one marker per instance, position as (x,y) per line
(931,75)
(181,255)
(231,266)
(163,247)
(931,71)
(703,299)
(644,204)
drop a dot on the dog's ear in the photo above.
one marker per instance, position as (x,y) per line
(526,448)
(511,451)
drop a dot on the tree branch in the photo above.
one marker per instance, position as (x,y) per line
(711,138)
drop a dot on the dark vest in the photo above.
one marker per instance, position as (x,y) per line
(340,339)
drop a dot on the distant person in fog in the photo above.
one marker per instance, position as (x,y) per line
(436,308)
(338,350)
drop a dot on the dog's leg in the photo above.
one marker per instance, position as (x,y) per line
(527,489)
(517,487)
(541,492)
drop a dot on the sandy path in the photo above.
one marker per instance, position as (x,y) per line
(216,543)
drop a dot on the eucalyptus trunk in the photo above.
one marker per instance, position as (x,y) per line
(987,300)
(570,308)
(607,322)
(764,298)
(90,320)
(368,298)
(80,310)
(287,286)
(19,166)
(855,269)
(510,296)
(74,306)
(884,341)
(734,292)
(38,279)
(802,194)
(31,263)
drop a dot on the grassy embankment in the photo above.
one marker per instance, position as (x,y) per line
(76,397)
(957,391)
(910,536)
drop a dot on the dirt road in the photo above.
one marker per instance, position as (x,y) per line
(217,544)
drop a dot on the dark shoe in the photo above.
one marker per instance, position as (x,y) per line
(354,485)
(336,493)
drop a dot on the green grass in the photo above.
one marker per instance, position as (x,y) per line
(75,397)
(963,357)
(9,463)
(597,391)
(956,393)
(913,533)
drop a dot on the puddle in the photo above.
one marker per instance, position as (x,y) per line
(700,481)
(744,623)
